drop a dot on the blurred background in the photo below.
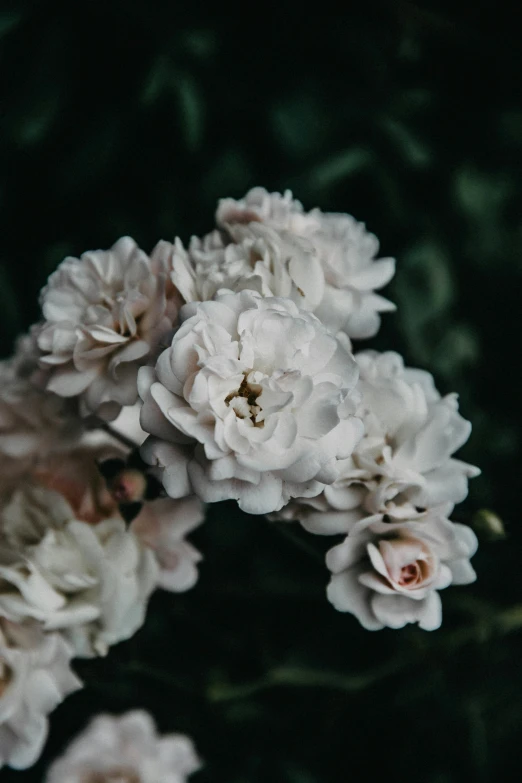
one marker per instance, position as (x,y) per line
(126,116)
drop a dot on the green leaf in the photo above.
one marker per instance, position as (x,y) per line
(36,118)
(479,194)
(191,108)
(414,151)
(9,20)
(338,167)
(299,124)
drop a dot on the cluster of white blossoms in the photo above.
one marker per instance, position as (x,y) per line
(125,750)
(220,369)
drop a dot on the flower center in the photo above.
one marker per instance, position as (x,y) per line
(5,676)
(114,775)
(410,575)
(244,401)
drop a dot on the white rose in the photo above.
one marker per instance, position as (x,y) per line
(162,525)
(35,676)
(275,263)
(403,465)
(105,314)
(281,212)
(344,248)
(90,581)
(252,401)
(388,574)
(125,749)
(352,275)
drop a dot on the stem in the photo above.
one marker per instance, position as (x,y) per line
(502,623)
(100,424)
(296,677)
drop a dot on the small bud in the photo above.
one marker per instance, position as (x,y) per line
(488,525)
(128,486)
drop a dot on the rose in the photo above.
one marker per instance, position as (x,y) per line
(345,250)
(275,263)
(105,314)
(388,574)
(404,463)
(252,401)
(90,581)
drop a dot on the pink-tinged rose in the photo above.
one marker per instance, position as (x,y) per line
(389,574)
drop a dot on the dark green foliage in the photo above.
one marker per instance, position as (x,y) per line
(134,117)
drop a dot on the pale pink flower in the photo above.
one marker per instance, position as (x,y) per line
(389,574)
(162,525)
(125,749)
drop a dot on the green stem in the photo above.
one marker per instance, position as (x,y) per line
(296,677)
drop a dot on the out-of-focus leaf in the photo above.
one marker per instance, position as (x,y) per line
(157,80)
(191,108)
(200,43)
(411,148)
(9,21)
(36,117)
(300,124)
(424,284)
(339,166)
(458,348)
(480,195)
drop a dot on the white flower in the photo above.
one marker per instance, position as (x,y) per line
(352,274)
(125,749)
(403,465)
(388,574)
(251,401)
(162,525)
(105,314)
(128,424)
(345,250)
(90,581)
(273,263)
(281,212)
(35,677)
(33,424)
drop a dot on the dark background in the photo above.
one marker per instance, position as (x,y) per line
(135,117)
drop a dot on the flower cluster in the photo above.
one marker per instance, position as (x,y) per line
(218,369)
